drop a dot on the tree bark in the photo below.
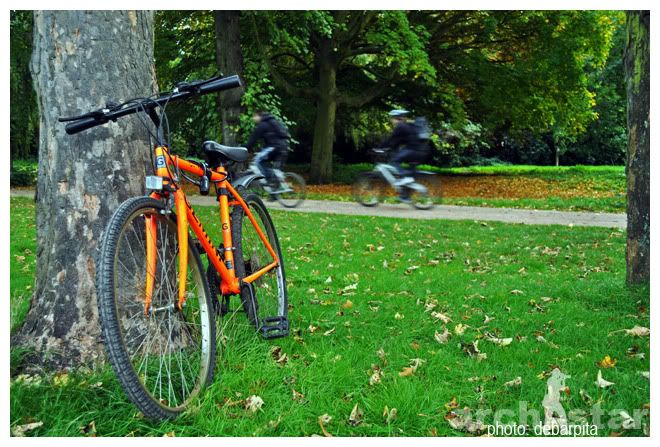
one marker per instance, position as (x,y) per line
(637,67)
(326,108)
(80,61)
(230,61)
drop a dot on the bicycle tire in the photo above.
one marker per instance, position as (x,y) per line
(111,323)
(367,182)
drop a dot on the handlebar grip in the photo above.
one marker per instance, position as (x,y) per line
(221,84)
(80,125)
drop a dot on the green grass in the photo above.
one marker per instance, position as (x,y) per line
(469,269)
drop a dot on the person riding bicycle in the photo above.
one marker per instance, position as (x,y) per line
(406,146)
(276,145)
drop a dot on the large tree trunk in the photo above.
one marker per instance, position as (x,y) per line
(80,61)
(637,60)
(326,108)
(230,62)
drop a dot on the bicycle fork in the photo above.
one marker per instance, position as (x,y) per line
(152,247)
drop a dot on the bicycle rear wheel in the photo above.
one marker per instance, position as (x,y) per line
(267,306)
(163,358)
(294,190)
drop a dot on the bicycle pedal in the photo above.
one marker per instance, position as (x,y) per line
(275,327)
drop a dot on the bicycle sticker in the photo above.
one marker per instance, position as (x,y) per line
(160,161)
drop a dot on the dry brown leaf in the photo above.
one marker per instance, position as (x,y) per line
(460,328)
(389,414)
(517,292)
(324,420)
(500,341)
(638,331)
(513,383)
(348,304)
(607,362)
(89,429)
(20,430)
(488,319)
(356,416)
(602,383)
(464,422)
(442,317)
(329,332)
(254,403)
(297,397)
(278,356)
(441,337)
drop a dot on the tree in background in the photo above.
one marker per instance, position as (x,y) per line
(521,72)
(230,62)
(24,116)
(638,166)
(339,59)
(81,61)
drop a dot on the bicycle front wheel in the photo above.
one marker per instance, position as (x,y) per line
(368,189)
(162,356)
(293,190)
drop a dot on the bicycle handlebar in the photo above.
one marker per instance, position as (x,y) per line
(184,91)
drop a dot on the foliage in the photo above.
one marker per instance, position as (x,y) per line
(528,81)
(23,173)
(24,113)
(398,270)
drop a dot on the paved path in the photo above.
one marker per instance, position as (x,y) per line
(508,215)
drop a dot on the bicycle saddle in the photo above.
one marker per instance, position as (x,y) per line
(218,151)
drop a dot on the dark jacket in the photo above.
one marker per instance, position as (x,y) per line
(404,135)
(272,132)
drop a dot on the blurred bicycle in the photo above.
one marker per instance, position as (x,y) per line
(421,189)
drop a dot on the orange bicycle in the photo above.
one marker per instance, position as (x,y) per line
(157,306)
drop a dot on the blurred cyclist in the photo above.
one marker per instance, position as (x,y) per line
(275,137)
(406,146)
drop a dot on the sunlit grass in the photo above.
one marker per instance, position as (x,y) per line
(361,284)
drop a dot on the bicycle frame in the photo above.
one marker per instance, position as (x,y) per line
(230,283)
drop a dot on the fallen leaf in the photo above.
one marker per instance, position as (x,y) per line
(638,331)
(89,429)
(513,383)
(329,332)
(500,341)
(381,354)
(645,374)
(452,404)
(389,415)
(628,423)
(607,362)
(356,416)
(329,280)
(407,371)
(464,422)
(278,356)
(254,403)
(602,383)
(20,430)
(348,304)
(399,316)
(442,317)
(324,420)
(297,397)
(472,350)
(460,328)
(441,337)
(517,292)
(488,319)
(170,434)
